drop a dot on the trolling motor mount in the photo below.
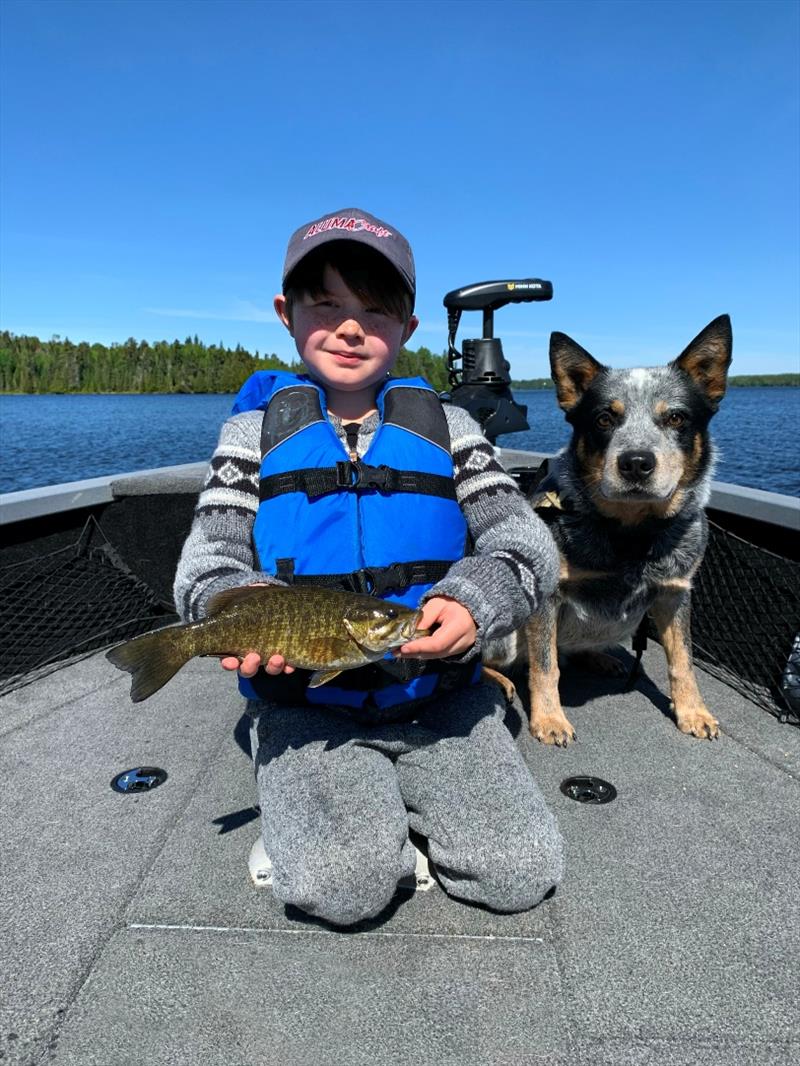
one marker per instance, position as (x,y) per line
(482,383)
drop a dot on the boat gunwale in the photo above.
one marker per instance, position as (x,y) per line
(772,507)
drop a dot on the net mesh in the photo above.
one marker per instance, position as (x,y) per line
(745,620)
(64,605)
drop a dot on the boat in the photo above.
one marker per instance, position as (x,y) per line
(132,931)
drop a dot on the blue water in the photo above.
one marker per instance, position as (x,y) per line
(45,440)
(756,430)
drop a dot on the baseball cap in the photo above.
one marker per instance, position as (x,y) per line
(353,224)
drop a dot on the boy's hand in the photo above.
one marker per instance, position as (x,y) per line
(251,662)
(455,633)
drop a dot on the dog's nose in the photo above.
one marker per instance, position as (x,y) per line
(636,465)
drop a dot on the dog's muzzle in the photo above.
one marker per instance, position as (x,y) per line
(636,466)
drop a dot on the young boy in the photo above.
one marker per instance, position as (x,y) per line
(344,476)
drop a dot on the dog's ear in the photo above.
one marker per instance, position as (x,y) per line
(707,358)
(572,369)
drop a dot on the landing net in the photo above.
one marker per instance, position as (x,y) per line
(60,607)
(746,619)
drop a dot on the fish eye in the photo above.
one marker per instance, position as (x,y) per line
(604,420)
(675,419)
(391,612)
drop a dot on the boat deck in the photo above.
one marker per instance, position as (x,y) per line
(132,932)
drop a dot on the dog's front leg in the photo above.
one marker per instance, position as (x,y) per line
(548,722)
(670,612)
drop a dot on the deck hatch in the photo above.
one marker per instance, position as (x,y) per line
(588,790)
(139,779)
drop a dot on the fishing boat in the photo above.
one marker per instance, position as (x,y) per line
(132,931)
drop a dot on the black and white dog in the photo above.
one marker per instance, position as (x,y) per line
(625,503)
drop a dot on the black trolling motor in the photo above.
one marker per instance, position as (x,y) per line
(482,384)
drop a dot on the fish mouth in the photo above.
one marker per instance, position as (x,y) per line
(409,629)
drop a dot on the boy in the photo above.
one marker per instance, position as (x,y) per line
(300,490)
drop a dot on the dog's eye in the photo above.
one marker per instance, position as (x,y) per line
(675,419)
(604,420)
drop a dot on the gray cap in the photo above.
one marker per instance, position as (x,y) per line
(353,224)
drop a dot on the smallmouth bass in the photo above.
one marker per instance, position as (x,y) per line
(317,629)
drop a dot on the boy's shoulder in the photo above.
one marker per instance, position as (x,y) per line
(243,429)
(461,423)
(258,389)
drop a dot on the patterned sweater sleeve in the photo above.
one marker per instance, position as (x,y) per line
(513,566)
(218,553)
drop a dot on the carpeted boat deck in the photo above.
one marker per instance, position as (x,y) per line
(132,933)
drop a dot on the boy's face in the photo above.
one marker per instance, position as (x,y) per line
(347,346)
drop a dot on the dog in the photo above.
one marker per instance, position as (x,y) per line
(625,502)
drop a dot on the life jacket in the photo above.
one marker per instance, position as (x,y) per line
(387,525)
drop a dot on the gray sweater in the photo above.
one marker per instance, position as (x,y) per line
(513,565)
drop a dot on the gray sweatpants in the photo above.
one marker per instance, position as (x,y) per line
(338,796)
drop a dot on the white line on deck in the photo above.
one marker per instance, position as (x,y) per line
(330,932)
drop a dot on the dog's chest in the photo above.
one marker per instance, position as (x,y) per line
(606,586)
(597,607)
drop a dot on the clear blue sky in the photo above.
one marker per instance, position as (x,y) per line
(643,156)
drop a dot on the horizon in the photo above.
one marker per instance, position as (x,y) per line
(516,381)
(641,156)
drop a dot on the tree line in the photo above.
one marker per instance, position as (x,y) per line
(30,365)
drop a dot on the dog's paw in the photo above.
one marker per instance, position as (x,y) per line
(508,687)
(552,729)
(698,722)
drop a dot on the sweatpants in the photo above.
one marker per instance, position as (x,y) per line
(338,796)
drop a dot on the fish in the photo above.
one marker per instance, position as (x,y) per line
(318,629)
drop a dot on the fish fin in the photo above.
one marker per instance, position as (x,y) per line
(228,597)
(331,651)
(151,659)
(320,677)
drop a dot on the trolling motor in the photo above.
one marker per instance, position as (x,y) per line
(482,383)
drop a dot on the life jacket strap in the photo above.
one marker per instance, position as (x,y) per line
(355,476)
(371,581)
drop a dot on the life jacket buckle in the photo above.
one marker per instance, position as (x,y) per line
(345,472)
(375,477)
(392,579)
(380,580)
(364,582)
(356,475)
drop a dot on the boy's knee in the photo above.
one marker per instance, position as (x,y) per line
(342,889)
(523,874)
(513,874)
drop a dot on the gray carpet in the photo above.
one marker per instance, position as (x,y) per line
(132,934)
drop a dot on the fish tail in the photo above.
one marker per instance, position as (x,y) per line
(151,659)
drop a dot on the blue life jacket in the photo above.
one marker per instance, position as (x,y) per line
(388,524)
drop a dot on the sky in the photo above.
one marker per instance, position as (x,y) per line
(642,155)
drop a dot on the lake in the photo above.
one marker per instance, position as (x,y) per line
(45,440)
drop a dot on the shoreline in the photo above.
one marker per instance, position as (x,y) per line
(741,381)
